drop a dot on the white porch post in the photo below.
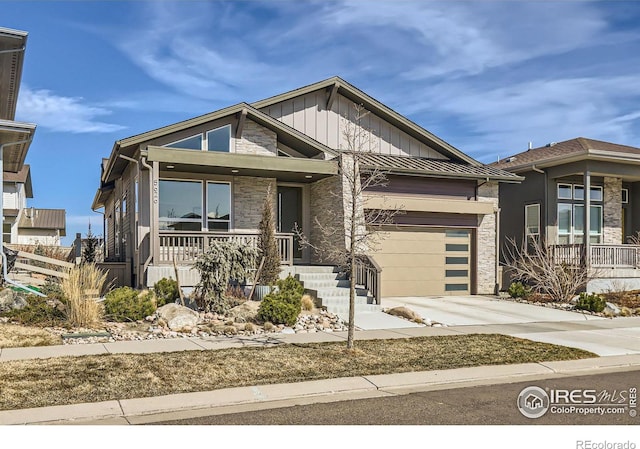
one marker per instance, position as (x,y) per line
(587,217)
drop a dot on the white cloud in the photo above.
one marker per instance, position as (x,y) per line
(63,114)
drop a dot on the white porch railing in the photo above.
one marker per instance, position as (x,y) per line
(185,247)
(616,256)
(600,255)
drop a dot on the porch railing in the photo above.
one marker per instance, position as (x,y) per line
(185,248)
(369,275)
(600,255)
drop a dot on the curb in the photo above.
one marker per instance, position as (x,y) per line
(230,400)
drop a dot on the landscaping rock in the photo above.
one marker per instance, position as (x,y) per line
(178,317)
(246,311)
(10,300)
(405,312)
(611,309)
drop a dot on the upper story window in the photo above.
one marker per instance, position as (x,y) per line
(218,139)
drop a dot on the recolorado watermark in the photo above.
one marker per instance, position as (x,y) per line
(588,444)
(534,402)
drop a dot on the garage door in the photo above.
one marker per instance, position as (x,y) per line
(425,262)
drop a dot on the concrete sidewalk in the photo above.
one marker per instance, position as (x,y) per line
(617,340)
(235,400)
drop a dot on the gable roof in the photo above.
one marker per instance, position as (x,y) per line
(435,167)
(23,176)
(371,104)
(561,152)
(286,134)
(32,218)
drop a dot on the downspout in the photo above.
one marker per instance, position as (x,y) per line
(5,262)
(144,163)
(497,268)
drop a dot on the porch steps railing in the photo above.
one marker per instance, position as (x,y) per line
(184,248)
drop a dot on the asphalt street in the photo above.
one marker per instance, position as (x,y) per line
(480,405)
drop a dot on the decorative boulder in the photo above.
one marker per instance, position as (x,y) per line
(10,300)
(178,317)
(405,312)
(245,312)
(612,309)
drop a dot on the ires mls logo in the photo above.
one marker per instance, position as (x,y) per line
(534,402)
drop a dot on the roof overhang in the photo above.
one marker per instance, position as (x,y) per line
(12,47)
(588,155)
(15,138)
(337,84)
(287,169)
(101,196)
(285,134)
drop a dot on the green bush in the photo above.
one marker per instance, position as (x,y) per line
(38,312)
(127,304)
(166,291)
(283,305)
(518,290)
(591,302)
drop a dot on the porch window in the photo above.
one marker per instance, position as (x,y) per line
(219,139)
(532,220)
(564,192)
(571,223)
(190,143)
(218,206)
(625,196)
(180,205)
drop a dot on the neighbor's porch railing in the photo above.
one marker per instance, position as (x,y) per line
(600,255)
(369,275)
(185,247)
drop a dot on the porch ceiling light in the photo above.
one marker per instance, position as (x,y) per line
(308,176)
(169,167)
(235,171)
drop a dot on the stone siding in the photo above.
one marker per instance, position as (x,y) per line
(257,139)
(486,250)
(327,214)
(612,211)
(248,199)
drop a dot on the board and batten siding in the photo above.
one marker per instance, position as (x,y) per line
(307,114)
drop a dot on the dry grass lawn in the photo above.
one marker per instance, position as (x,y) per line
(14,336)
(67,380)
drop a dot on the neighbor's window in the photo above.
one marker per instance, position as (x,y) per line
(180,205)
(190,143)
(532,220)
(6,232)
(219,139)
(218,206)
(564,191)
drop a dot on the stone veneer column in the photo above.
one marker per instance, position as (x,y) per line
(248,200)
(486,233)
(612,211)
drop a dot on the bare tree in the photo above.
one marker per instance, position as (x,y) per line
(347,232)
(547,271)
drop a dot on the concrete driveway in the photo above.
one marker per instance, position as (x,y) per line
(478,310)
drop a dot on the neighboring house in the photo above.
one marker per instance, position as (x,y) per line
(167,192)
(551,205)
(19,225)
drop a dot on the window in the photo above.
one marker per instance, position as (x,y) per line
(190,143)
(625,196)
(532,219)
(6,232)
(456,247)
(578,192)
(596,193)
(564,191)
(565,223)
(218,206)
(180,205)
(571,223)
(456,260)
(219,139)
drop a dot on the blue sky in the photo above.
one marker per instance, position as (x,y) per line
(486,76)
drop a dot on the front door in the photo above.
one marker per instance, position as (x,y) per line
(290,214)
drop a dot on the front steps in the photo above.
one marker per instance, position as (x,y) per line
(330,288)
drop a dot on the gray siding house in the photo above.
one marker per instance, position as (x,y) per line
(166,193)
(552,204)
